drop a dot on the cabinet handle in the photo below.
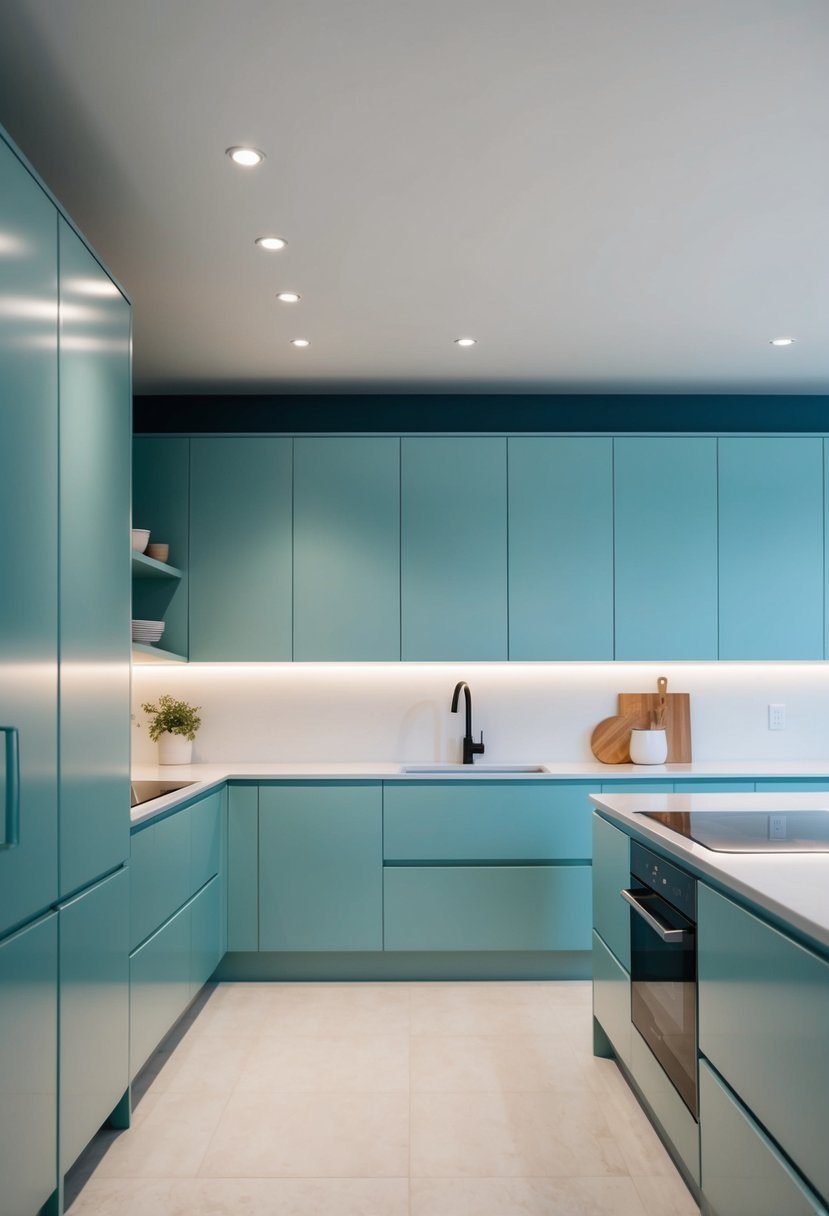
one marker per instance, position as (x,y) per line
(663,931)
(11,831)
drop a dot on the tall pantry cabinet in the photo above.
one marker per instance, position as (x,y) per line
(65,422)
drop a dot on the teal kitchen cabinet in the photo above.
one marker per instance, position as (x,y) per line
(486,821)
(243,867)
(206,934)
(160,873)
(95,576)
(459,871)
(321,866)
(611,1002)
(670,1112)
(560,548)
(207,831)
(240,568)
(160,986)
(611,874)
(94,1010)
(346,574)
(665,548)
(771,571)
(742,1170)
(493,907)
(763,1013)
(28,1067)
(29,586)
(161,503)
(453,557)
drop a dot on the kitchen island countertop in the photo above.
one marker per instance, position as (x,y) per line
(790,889)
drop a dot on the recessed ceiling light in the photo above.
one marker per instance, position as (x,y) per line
(465,341)
(782,342)
(247,157)
(271,242)
(300,342)
(288,297)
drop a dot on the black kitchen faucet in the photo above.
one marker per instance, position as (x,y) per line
(470,747)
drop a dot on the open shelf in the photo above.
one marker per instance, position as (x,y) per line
(142,653)
(148,567)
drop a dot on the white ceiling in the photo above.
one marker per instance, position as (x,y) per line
(610,195)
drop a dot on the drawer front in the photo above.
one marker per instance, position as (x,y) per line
(160,874)
(486,821)
(611,998)
(763,1014)
(487,908)
(742,1170)
(206,825)
(205,934)
(671,1112)
(159,986)
(611,874)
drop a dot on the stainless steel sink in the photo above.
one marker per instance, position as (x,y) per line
(472,770)
(146,791)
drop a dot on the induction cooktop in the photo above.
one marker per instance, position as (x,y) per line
(750,831)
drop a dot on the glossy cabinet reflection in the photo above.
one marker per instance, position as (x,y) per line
(95,436)
(29,510)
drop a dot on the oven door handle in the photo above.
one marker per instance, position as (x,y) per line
(663,931)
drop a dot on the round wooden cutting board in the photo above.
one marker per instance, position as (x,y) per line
(610,741)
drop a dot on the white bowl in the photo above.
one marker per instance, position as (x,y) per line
(140,539)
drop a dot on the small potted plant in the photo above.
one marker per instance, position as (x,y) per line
(173,725)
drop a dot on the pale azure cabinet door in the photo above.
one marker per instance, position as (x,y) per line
(771,548)
(453,559)
(666,548)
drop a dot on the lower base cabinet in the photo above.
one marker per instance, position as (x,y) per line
(611,999)
(487,908)
(742,1171)
(160,986)
(206,934)
(321,866)
(28,1067)
(94,1011)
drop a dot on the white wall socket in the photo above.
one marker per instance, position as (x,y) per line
(777,717)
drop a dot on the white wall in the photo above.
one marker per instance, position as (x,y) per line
(528,711)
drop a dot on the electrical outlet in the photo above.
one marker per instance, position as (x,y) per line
(777,717)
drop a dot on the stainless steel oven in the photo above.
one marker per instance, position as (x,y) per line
(663,965)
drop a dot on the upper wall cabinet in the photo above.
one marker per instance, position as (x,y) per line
(453,559)
(160,494)
(771,548)
(29,510)
(346,549)
(561,548)
(240,549)
(95,438)
(666,548)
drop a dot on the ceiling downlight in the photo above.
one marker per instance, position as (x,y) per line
(782,341)
(466,341)
(271,243)
(289,297)
(300,342)
(245,156)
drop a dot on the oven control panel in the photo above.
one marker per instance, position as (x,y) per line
(673,884)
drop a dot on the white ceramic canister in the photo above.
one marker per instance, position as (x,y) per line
(648,746)
(174,749)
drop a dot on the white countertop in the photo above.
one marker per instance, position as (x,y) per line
(792,887)
(208,775)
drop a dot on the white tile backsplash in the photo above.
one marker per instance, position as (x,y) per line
(320,712)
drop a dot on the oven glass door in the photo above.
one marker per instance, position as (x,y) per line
(664,987)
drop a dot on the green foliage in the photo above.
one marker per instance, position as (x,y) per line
(174,716)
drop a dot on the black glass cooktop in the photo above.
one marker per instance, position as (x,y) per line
(751,831)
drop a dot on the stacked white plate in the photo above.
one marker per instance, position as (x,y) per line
(148,632)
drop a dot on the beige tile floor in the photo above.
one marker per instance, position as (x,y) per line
(459,1099)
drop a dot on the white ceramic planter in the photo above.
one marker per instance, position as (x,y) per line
(174,749)
(648,746)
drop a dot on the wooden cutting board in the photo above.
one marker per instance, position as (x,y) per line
(610,741)
(638,707)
